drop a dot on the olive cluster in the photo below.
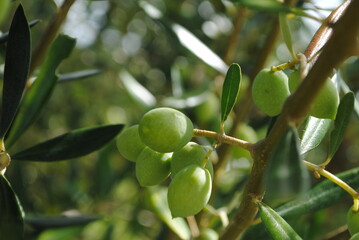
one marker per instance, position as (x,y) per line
(271,88)
(160,146)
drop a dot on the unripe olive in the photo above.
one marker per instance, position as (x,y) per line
(192,153)
(152,167)
(325,105)
(269,91)
(208,234)
(189,191)
(129,143)
(353,221)
(293,80)
(165,129)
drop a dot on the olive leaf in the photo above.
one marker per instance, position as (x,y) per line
(5,36)
(17,63)
(277,227)
(287,37)
(41,90)
(230,90)
(314,132)
(11,217)
(265,5)
(345,110)
(286,176)
(78,75)
(321,196)
(157,199)
(73,144)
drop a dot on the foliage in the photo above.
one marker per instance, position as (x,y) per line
(77,72)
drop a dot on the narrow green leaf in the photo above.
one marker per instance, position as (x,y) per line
(11,215)
(78,75)
(314,132)
(286,176)
(323,195)
(41,223)
(230,90)
(137,92)
(17,63)
(70,145)
(287,36)
(345,110)
(157,198)
(277,227)
(41,90)
(346,89)
(265,5)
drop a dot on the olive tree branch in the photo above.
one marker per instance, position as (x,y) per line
(339,46)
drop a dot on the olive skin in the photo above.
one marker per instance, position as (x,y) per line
(189,191)
(191,153)
(129,143)
(152,167)
(165,129)
(270,91)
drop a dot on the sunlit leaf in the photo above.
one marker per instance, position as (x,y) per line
(345,110)
(321,196)
(198,48)
(157,198)
(277,227)
(136,91)
(230,90)
(314,132)
(78,75)
(17,62)
(41,90)
(70,145)
(286,175)
(11,215)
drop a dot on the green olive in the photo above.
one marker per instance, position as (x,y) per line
(189,191)
(247,133)
(269,91)
(208,234)
(129,143)
(355,237)
(192,153)
(152,167)
(353,221)
(325,105)
(293,80)
(165,129)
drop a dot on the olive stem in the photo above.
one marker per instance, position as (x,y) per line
(223,138)
(315,168)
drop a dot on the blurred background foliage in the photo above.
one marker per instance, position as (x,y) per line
(144,64)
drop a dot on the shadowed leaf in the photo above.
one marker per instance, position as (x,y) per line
(70,145)
(78,75)
(230,90)
(17,62)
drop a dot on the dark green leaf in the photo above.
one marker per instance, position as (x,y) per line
(230,90)
(321,196)
(286,176)
(157,199)
(70,145)
(314,132)
(42,223)
(41,90)
(4,37)
(79,75)
(345,110)
(17,63)
(277,227)
(11,215)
